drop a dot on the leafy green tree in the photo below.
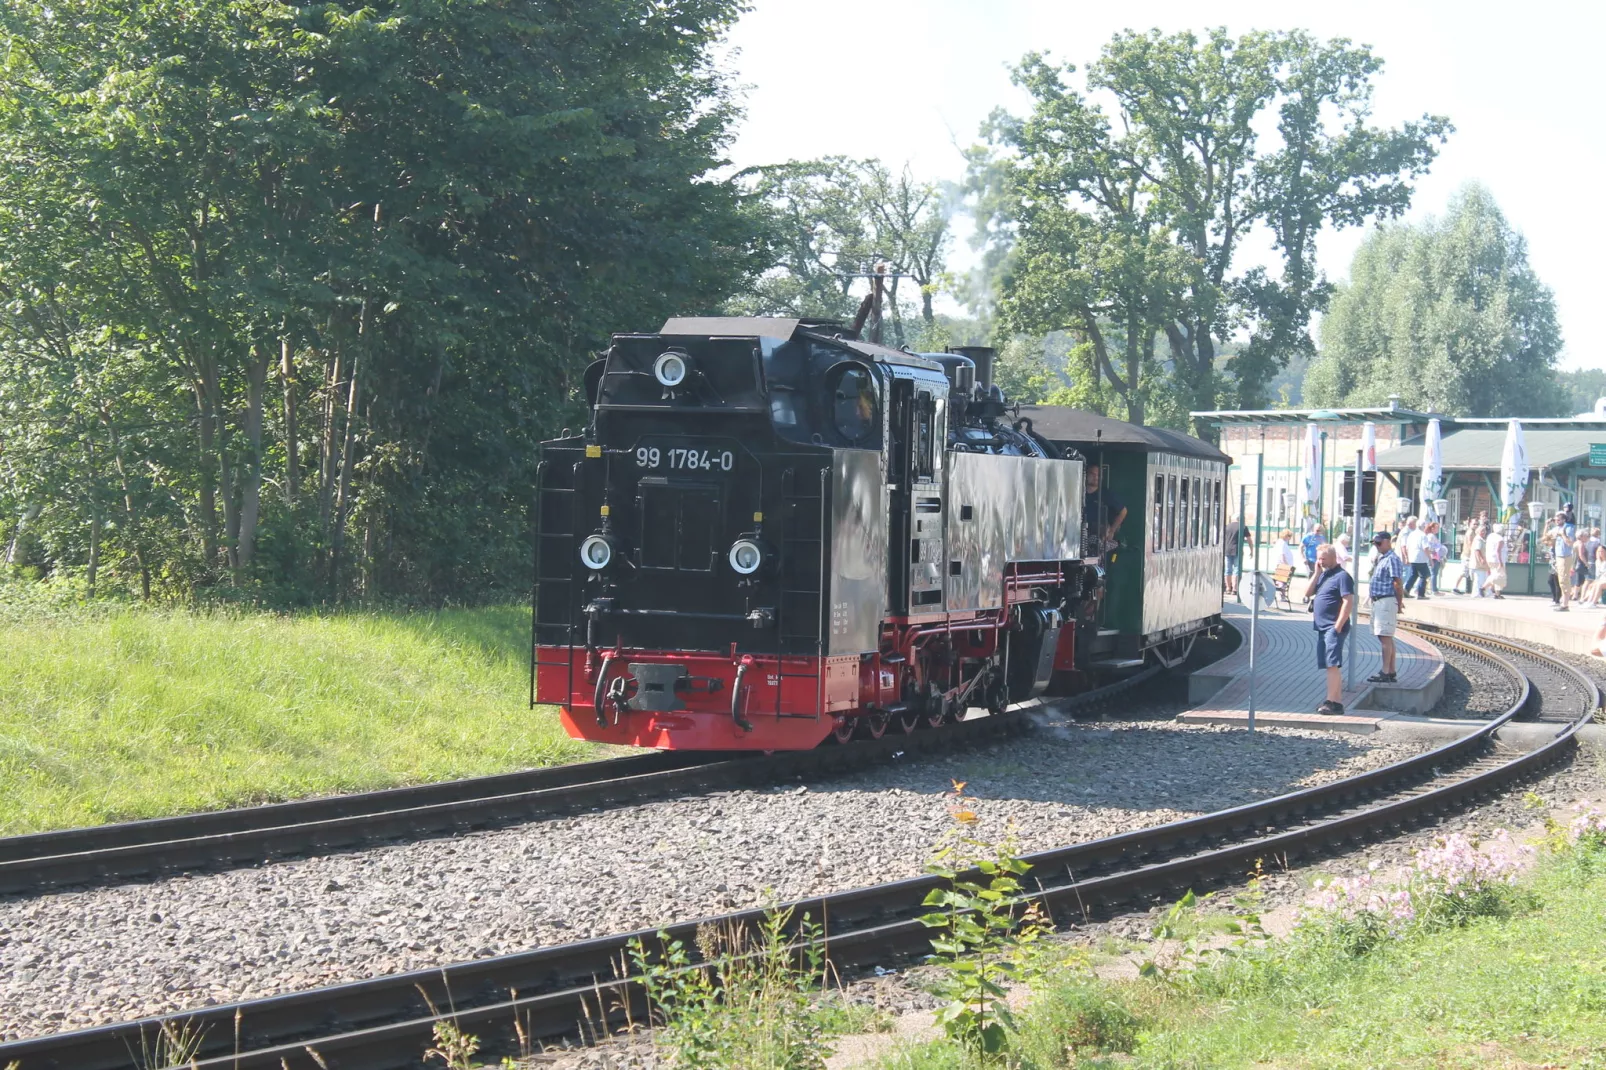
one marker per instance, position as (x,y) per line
(1129,225)
(1449,315)
(290,294)
(829,222)
(1584,387)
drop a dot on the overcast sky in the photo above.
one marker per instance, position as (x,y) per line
(905,80)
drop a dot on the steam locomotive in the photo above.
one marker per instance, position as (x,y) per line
(772,532)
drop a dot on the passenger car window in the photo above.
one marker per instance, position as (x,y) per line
(1158,526)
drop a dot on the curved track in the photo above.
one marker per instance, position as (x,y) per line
(139,850)
(387,1022)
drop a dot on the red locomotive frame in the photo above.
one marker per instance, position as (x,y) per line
(744,701)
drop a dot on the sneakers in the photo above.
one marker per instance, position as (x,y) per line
(1381,678)
(1331,709)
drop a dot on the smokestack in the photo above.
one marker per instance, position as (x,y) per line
(983,357)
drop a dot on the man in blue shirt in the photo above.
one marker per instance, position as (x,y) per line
(1309,545)
(1333,592)
(1387,594)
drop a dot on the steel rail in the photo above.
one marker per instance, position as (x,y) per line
(229,838)
(581,987)
(221,839)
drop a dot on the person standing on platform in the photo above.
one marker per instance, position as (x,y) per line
(1414,545)
(1345,556)
(1561,562)
(1466,557)
(1582,568)
(1496,551)
(1310,544)
(1480,561)
(1233,537)
(1332,594)
(1282,550)
(1388,594)
(1436,554)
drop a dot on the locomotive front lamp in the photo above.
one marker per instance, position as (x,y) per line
(670,368)
(745,557)
(596,553)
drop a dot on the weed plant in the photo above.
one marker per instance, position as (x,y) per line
(749,1002)
(1466,958)
(115,712)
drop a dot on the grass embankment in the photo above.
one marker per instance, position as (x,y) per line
(111,714)
(1517,981)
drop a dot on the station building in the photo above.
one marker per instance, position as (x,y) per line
(1566,457)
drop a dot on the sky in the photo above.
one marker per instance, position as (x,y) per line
(909,81)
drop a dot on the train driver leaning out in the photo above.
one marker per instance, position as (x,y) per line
(1098,498)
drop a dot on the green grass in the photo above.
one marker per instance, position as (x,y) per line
(1524,991)
(115,713)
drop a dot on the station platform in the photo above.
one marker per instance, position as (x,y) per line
(1289,686)
(1523,617)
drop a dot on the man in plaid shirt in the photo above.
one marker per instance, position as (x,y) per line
(1387,593)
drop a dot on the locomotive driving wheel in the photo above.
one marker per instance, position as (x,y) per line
(875,724)
(842,728)
(908,721)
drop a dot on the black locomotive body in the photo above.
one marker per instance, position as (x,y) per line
(771,532)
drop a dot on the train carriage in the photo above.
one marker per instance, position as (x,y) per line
(1163,576)
(772,532)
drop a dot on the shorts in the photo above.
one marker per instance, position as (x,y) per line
(1329,648)
(1232,566)
(1385,615)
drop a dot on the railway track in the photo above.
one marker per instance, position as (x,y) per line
(221,839)
(562,990)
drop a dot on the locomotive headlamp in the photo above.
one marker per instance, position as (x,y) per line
(670,368)
(596,553)
(745,556)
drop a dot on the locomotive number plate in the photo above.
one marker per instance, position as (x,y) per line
(685,458)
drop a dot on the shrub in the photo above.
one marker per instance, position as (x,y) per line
(1071,1017)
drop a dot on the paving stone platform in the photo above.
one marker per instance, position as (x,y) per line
(1289,686)
(1525,617)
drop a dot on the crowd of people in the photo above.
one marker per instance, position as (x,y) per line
(1575,556)
(1408,561)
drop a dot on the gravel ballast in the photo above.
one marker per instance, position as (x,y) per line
(81,958)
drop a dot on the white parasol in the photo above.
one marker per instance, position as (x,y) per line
(1311,490)
(1513,470)
(1432,466)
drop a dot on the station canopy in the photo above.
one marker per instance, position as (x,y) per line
(1477,449)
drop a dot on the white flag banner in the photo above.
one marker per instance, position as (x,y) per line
(1513,470)
(1432,467)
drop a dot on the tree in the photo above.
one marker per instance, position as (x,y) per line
(1132,226)
(828,222)
(1584,387)
(289,295)
(1449,315)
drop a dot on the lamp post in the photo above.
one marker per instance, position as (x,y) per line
(1535,511)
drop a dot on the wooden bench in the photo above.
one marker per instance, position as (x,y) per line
(1281,578)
